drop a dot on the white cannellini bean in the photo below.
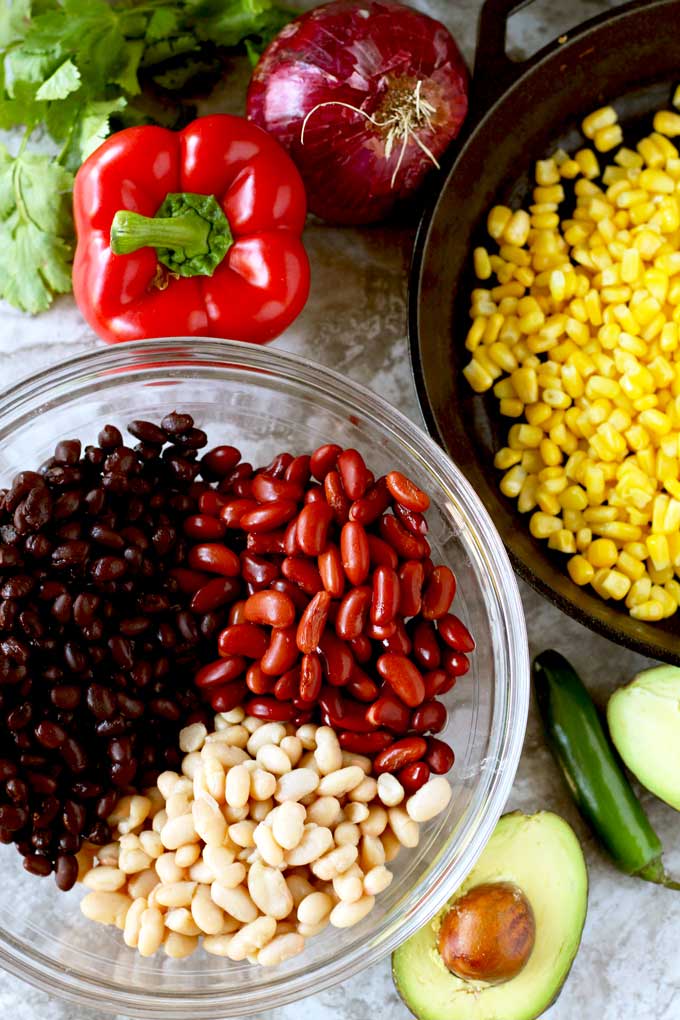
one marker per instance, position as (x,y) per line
(252,723)
(151,932)
(132,861)
(390,790)
(288,824)
(176,894)
(233,736)
(178,831)
(429,800)
(143,883)
(344,915)
(365,792)
(108,855)
(209,821)
(232,875)
(269,892)
(236,902)
(178,803)
(293,748)
(237,786)
(335,784)
(309,930)
(346,832)
(377,880)
(181,920)
(271,851)
(191,738)
(260,810)
(190,762)
(296,784)
(306,734)
(187,855)
(262,784)
(200,872)
(105,879)
(251,938)
(270,733)
(105,907)
(391,845)
(133,922)
(328,754)
(299,887)
(308,761)
(241,833)
(325,811)
(218,858)
(178,947)
(121,811)
(217,945)
(335,862)
(403,827)
(214,778)
(371,852)
(205,914)
(167,868)
(227,756)
(314,908)
(281,948)
(139,811)
(235,814)
(364,763)
(316,839)
(356,812)
(273,759)
(234,715)
(159,820)
(376,821)
(349,886)
(151,843)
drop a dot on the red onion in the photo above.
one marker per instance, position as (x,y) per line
(366,95)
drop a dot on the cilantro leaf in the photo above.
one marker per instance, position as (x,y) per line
(94,123)
(14,20)
(64,80)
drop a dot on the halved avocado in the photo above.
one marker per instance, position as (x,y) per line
(541,855)
(644,723)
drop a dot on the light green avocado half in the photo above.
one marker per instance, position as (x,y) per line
(541,855)
(644,723)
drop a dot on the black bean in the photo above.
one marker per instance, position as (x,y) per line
(9,557)
(61,477)
(134,626)
(17,587)
(49,810)
(70,554)
(131,708)
(38,546)
(40,783)
(86,790)
(165,708)
(120,750)
(110,436)
(191,439)
(107,537)
(66,872)
(14,649)
(147,432)
(36,509)
(99,834)
(74,755)
(20,488)
(12,818)
(20,717)
(122,773)
(50,734)
(17,790)
(175,423)
(95,500)
(74,817)
(122,461)
(62,608)
(108,568)
(106,804)
(68,842)
(67,504)
(100,701)
(75,657)
(66,696)
(37,865)
(68,451)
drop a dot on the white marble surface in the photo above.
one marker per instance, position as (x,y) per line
(628,967)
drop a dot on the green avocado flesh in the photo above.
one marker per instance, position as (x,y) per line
(644,723)
(541,855)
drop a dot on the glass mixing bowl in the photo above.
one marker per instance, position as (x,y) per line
(264,401)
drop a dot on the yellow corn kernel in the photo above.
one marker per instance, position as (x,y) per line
(667,123)
(659,554)
(620,531)
(526,501)
(574,498)
(525,437)
(547,172)
(477,376)
(550,452)
(602,553)
(608,137)
(517,229)
(542,525)
(562,541)
(650,611)
(604,117)
(510,407)
(497,221)
(650,152)
(655,421)
(506,458)
(659,576)
(628,565)
(493,327)
(502,356)
(584,537)
(673,589)
(554,193)
(616,585)
(475,333)
(676,98)
(627,158)
(668,149)
(481,263)
(656,181)
(580,570)
(512,481)
(587,163)
(538,413)
(631,265)
(569,169)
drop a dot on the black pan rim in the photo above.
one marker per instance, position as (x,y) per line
(647,646)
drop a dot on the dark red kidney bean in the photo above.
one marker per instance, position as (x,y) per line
(426,650)
(218,592)
(437,681)
(299,470)
(240,473)
(411,519)
(174,424)
(439,593)
(312,622)
(66,872)
(287,686)
(219,461)
(355,554)
(336,497)
(311,677)
(291,546)
(237,612)
(381,554)
(232,512)
(302,573)
(244,639)
(204,528)
(439,756)
(270,709)
(272,608)
(324,460)
(390,712)
(365,743)
(311,531)
(189,581)
(406,492)
(408,546)
(455,663)
(398,642)
(385,602)
(341,713)
(223,699)
(377,633)
(314,494)
(353,613)
(400,753)
(281,653)
(258,571)
(403,676)
(330,571)
(361,687)
(267,543)
(337,659)
(411,580)
(216,559)
(295,594)
(374,503)
(279,466)
(211,502)
(269,516)
(268,490)
(430,717)
(220,672)
(259,682)
(413,776)
(353,473)
(453,631)
(362,649)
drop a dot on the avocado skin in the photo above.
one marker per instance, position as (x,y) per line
(467,1001)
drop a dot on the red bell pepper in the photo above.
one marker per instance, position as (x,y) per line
(190,233)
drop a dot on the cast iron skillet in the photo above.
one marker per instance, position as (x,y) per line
(521,112)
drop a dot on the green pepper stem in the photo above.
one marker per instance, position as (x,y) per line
(131,231)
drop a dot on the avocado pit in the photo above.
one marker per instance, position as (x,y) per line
(488,934)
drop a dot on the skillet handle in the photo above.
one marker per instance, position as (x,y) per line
(494,71)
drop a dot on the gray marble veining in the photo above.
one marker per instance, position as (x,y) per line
(628,967)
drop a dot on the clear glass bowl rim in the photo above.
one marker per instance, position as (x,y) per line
(513,696)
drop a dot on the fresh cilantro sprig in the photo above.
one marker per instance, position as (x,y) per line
(72,70)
